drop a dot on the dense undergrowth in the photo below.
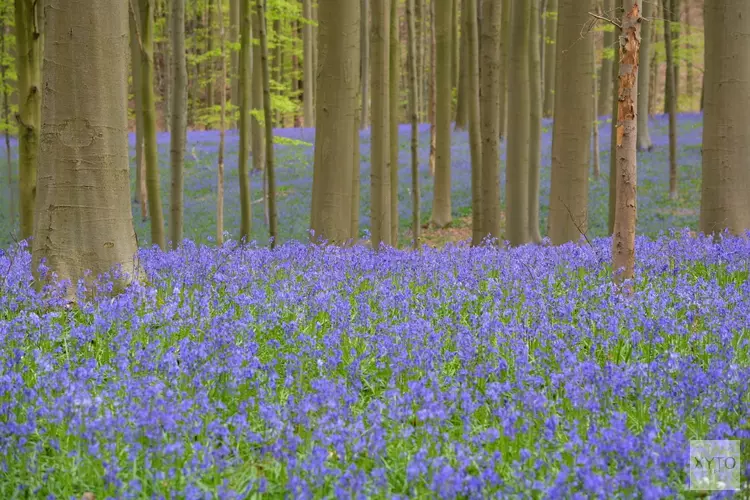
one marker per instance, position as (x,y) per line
(316,372)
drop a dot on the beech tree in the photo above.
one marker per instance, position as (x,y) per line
(83,216)
(571,133)
(725,204)
(178,126)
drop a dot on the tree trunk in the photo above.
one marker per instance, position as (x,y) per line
(150,153)
(491,74)
(613,142)
(234,39)
(268,118)
(519,109)
(623,239)
(505,73)
(256,130)
(394,76)
(670,96)
(441,203)
(725,204)
(335,120)
(455,55)
(179,120)
(471,30)
(463,91)
(689,83)
(595,119)
(432,102)
(605,70)
(169,76)
(549,58)
(364,40)
(380,177)
(209,66)
(414,118)
(6,131)
(244,85)
(222,132)
(29,44)
(535,138)
(141,195)
(644,79)
(571,133)
(84,220)
(671,16)
(307,58)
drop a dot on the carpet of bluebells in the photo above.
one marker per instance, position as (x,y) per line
(294,156)
(311,372)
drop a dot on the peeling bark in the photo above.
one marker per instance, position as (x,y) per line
(623,239)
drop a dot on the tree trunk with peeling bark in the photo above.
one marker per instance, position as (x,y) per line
(623,238)
(725,204)
(84,220)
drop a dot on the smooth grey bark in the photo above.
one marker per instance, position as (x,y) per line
(84,220)
(519,109)
(222,132)
(364,75)
(178,127)
(336,121)
(644,79)
(471,29)
(571,133)
(273,231)
(549,58)
(670,100)
(29,49)
(491,74)
(246,219)
(535,133)
(414,120)
(394,79)
(725,204)
(257,133)
(441,203)
(141,195)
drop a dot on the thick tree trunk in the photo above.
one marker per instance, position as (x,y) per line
(605,70)
(256,130)
(670,96)
(222,132)
(29,45)
(273,233)
(535,139)
(471,29)
(150,153)
(519,109)
(571,133)
(335,120)
(84,220)
(309,71)
(644,79)
(491,74)
(725,203)
(246,219)
(441,203)
(414,119)
(179,120)
(394,76)
(623,239)
(380,176)
(549,58)
(364,49)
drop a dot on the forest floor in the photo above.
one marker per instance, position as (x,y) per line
(294,156)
